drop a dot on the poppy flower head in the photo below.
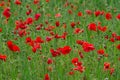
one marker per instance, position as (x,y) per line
(65,50)
(18,2)
(87,47)
(106,65)
(100,52)
(92,27)
(3,57)
(47,77)
(79,14)
(7,12)
(108,16)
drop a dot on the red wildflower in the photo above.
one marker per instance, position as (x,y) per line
(103,29)
(28,39)
(72,24)
(75,61)
(54,52)
(108,16)
(106,65)
(29,12)
(79,14)
(0,29)
(12,46)
(48,38)
(87,47)
(29,20)
(65,50)
(18,2)
(34,49)
(49,61)
(15,48)
(47,77)
(79,68)
(57,23)
(92,27)
(3,57)
(97,13)
(39,40)
(118,46)
(112,39)
(36,1)
(89,12)
(80,42)
(77,30)
(118,16)
(114,34)
(117,38)
(7,12)
(47,0)
(100,51)
(37,16)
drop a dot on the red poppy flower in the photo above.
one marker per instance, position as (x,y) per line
(12,46)
(92,27)
(117,38)
(87,47)
(77,30)
(57,23)
(29,12)
(118,46)
(79,14)
(103,29)
(37,16)
(65,50)
(79,68)
(106,65)
(54,52)
(48,38)
(72,24)
(3,57)
(47,77)
(112,39)
(80,42)
(108,16)
(89,12)
(28,39)
(49,61)
(100,51)
(47,0)
(118,16)
(29,20)
(0,29)
(97,13)
(39,39)
(18,2)
(36,1)
(7,12)
(75,61)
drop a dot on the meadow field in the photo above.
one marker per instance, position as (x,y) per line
(59,39)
